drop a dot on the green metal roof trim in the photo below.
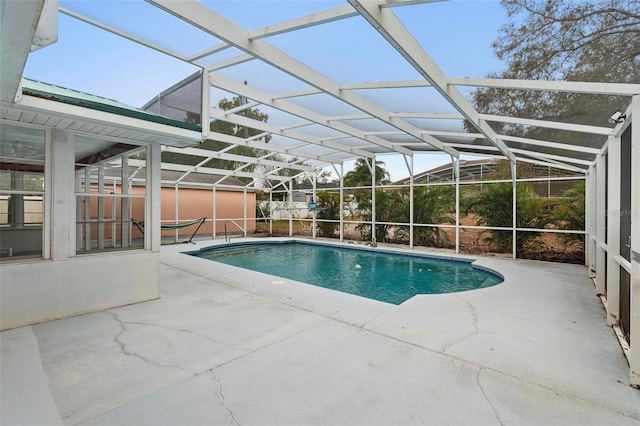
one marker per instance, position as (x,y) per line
(77,98)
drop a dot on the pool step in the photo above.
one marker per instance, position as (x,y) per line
(234,250)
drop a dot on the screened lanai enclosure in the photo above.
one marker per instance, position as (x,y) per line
(290,128)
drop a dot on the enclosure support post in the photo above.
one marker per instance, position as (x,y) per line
(214,215)
(153,207)
(411,204)
(177,211)
(313,211)
(125,212)
(600,225)
(341,173)
(87,209)
(100,224)
(456,164)
(373,201)
(634,333)
(290,191)
(613,231)
(590,203)
(244,209)
(270,217)
(514,222)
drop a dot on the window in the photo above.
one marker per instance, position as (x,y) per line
(111,195)
(22,190)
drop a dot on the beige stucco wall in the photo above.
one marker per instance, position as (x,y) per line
(197,203)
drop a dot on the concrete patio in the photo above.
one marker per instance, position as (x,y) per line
(228,346)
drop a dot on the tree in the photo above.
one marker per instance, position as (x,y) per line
(494,207)
(570,213)
(328,209)
(433,206)
(224,127)
(597,40)
(361,175)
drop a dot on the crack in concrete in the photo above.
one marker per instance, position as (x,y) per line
(184,330)
(222,398)
(475,317)
(484,393)
(124,350)
(558,392)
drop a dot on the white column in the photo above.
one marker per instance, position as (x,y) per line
(214,215)
(125,206)
(634,333)
(590,210)
(244,209)
(270,217)
(341,202)
(613,232)
(153,206)
(313,212)
(411,202)
(100,224)
(63,212)
(290,192)
(176,209)
(514,222)
(456,163)
(373,201)
(600,224)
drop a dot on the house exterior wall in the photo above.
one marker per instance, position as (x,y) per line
(61,282)
(34,292)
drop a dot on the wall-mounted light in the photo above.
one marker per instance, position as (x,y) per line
(617,117)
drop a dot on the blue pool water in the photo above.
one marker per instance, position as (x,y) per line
(385,276)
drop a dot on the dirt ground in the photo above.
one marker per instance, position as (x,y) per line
(548,247)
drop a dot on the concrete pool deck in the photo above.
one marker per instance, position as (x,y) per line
(228,346)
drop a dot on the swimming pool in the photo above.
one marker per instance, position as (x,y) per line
(374,273)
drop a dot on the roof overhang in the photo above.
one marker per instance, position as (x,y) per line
(34,110)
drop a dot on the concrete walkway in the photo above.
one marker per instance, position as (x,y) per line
(228,346)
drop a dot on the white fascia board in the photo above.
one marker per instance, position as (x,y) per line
(233,157)
(389,26)
(547,144)
(209,21)
(582,128)
(329,15)
(121,33)
(46,106)
(618,89)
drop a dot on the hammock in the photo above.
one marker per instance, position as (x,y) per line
(173,226)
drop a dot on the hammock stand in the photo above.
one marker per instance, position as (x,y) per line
(171,227)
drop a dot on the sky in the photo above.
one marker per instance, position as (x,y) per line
(457,34)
